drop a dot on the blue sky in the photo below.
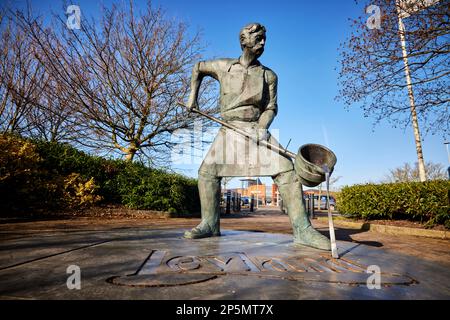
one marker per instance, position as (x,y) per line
(302,41)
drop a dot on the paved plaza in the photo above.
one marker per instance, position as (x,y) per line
(150,259)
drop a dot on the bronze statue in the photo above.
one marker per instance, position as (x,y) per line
(248,101)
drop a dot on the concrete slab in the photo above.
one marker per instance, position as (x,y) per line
(137,263)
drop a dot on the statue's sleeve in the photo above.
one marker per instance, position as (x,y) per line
(272,81)
(211,68)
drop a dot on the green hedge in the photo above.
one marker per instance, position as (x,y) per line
(427,202)
(34,174)
(144,188)
(23,183)
(63,159)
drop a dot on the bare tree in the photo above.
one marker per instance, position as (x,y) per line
(54,117)
(125,74)
(373,67)
(21,77)
(408,173)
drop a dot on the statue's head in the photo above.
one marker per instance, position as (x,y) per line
(253,37)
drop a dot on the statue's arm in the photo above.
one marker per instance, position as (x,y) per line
(270,112)
(200,70)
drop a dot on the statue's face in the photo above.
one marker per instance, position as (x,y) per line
(255,42)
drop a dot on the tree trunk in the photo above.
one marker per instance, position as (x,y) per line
(131,152)
(415,123)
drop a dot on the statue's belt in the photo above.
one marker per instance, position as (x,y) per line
(247,113)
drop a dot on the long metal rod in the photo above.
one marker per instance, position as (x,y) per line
(265,143)
(334,251)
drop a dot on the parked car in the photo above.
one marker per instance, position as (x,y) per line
(323,202)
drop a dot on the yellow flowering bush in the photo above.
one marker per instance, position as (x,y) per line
(79,192)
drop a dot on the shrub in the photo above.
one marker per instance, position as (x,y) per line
(49,175)
(22,181)
(144,188)
(427,202)
(18,159)
(63,159)
(79,192)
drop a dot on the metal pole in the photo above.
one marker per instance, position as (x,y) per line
(320,197)
(239,202)
(228,202)
(415,123)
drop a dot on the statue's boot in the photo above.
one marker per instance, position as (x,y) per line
(304,233)
(209,191)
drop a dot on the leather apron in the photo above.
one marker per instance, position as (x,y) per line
(231,154)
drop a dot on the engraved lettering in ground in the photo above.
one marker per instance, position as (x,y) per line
(163,269)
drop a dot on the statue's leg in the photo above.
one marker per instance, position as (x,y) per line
(209,190)
(291,192)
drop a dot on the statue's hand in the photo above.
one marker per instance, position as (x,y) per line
(192,104)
